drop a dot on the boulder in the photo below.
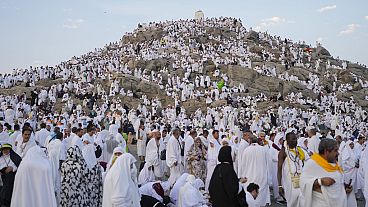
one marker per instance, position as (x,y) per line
(252,36)
(266,85)
(322,52)
(345,77)
(241,74)
(357,87)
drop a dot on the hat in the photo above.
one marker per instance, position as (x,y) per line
(4,146)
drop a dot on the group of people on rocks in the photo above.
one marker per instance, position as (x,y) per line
(99,150)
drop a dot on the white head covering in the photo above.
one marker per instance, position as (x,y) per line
(278,137)
(198,183)
(116,149)
(301,142)
(348,154)
(148,189)
(89,155)
(33,185)
(232,142)
(189,195)
(342,146)
(174,194)
(146,175)
(120,187)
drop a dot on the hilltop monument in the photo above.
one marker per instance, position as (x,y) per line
(199,16)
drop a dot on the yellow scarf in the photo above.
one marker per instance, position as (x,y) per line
(300,152)
(324,164)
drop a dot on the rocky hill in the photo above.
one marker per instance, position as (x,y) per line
(261,62)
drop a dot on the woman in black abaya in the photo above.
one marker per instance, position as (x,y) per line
(9,162)
(224,187)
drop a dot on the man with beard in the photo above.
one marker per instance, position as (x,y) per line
(322,179)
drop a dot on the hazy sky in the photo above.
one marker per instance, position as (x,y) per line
(46,32)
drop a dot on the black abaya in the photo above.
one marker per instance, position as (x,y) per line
(6,191)
(224,184)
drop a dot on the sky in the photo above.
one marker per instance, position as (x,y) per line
(47,32)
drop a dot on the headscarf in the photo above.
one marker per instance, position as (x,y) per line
(33,185)
(89,155)
(75,154)
(189,195)
(145,175)
(74,178)
(301,142)
(174,194)
(114,157)
(348,154)
(232,142)
(155,189)
(120,187)
(198,183)
(196,150)
(277,138)
(15,158)
(225,155)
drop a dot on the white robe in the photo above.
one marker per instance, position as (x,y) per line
(33,185)
(120,187)
(212,159)
(141,143)
(188,142)
(313,143)
(189,195)
(250,200)
(89,155)
(56,152)
(68,142)
(364,166)
(173,155)
(40,137)
(349,159)
(174,193)
(102,137)
(153,157)
(273,153)
(292,195)
(254,167)
(333,195)
(22,148)
(76,141)
(4,138)
(242,146)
